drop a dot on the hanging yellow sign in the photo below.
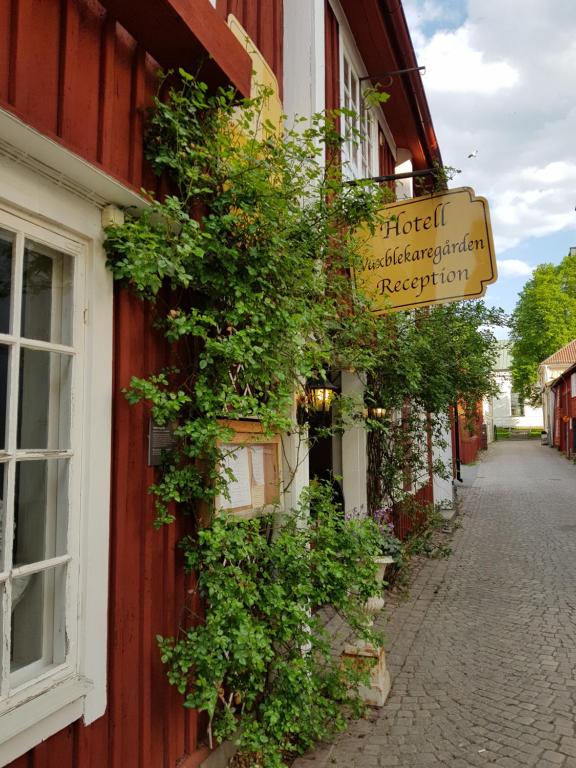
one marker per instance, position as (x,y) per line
(430,250)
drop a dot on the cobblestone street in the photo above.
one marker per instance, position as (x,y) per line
(483,653)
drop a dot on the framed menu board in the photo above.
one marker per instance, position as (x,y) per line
(254,460)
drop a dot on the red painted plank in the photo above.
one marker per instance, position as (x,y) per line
(91,744)
(278,61)
(249,20)
(179,33)
(152,713)
(59,750)
(126,531)
(264,24)
(5,42)
(119,150)
(266,39)
(22,762)
(84,22)
(386,160)
(148,180)
(332,63)
(332,73)
(174,726)
(36,76)
(106,92)
(138,97)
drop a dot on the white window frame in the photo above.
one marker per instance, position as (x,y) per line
(64,219)
(377,121)
(360,150)
(22,229)
(573,385)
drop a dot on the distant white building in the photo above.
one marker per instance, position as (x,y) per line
(508,408)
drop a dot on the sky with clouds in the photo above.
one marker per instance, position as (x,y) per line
(501,85)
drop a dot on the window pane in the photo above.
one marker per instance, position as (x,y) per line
(44,402)
(38,624)
(40,510)
(4,357)
(6,245)
(47,294)
(354,92)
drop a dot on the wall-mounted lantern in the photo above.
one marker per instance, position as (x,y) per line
(319,394)
(376,412)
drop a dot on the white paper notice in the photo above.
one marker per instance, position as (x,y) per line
(238,489)
(258,464)
(258,495)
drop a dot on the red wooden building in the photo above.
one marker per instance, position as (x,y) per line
(86,583)
(564,416)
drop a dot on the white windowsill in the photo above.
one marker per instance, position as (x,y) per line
(34,720)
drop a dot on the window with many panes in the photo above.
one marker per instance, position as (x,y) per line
(40,359)
(516,404)
(359,125)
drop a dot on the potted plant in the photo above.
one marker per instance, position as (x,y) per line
(391,549)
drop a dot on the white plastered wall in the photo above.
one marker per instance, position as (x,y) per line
(304,49)
(443,490)
(354,453)
(303,96)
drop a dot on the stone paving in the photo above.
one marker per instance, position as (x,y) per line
(483,653)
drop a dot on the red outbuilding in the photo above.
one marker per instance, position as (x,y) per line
(564,415)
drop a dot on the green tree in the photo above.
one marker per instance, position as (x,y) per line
(543,320)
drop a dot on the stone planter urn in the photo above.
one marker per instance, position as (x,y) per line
(376,692)
(375,604)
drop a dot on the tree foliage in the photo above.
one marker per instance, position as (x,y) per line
(247,265)
(245,662)
(544,320)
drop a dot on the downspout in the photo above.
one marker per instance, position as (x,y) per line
(457,443)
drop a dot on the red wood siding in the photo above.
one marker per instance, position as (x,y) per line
(565,415)
(386,159)
(405,522)
(332,59)
(145,725)
(73,73)
(332,73)
(264,23)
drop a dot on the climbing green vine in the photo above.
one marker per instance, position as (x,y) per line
(246,264)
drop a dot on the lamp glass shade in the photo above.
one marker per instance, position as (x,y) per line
(377,412)
(320,395)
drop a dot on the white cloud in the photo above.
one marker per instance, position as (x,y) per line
(552,173)
(500,80)
(513,268)
(474,73)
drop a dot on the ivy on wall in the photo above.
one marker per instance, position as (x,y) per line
(246,263)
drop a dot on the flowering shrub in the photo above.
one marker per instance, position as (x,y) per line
(389,543)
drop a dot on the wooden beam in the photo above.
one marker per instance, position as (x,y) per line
(188,34)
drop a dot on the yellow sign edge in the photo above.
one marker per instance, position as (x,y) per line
(446,299)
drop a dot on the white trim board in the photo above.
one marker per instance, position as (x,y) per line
(46,157)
